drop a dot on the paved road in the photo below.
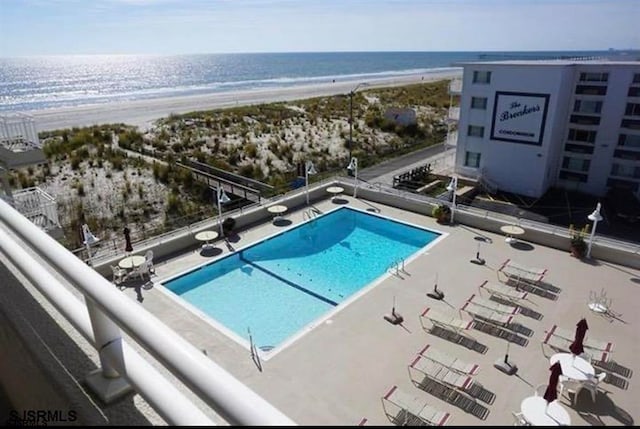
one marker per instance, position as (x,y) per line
(385,171)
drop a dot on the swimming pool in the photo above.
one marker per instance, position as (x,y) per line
(280,285)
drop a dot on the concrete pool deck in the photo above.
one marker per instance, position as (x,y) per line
(336,373)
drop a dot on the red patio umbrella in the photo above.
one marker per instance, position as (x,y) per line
(551,394)
(127,238)
(581,329)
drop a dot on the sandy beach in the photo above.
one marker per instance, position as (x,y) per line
(142,113)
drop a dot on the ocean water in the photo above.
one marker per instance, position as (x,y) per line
(34,83)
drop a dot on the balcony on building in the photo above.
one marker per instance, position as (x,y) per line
(454,114)
(20,147)
(455,86)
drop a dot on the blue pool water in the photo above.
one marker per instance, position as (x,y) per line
(278,286)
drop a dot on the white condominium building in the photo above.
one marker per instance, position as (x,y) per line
(526,126)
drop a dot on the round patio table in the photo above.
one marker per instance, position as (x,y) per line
(277,211)
(538,412)
(131,262)
(574,367)
(335,191)
(511,230)
(206,236)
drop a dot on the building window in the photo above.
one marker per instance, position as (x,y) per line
(629,140)
(582,135)
(481,76)
(472,159)
(587,106)
(479,103)
(573,177)
(594,77)
(576,164)
(625,170)
(475,131)
(634,91)
(626,154)
(578,148)
(622,184)
(636,78)
(632,124)
(591,90)
(585,120)
(633,109)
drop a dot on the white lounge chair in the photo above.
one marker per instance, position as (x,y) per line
(492,305)
(503,291)
(562,344)
(407,410)
(450,322)
(451,362)
(487,314)
(521,273)
(589,342)
(438,372)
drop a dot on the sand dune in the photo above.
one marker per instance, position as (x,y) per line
(142,113)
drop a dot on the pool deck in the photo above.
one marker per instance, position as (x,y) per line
(337,373)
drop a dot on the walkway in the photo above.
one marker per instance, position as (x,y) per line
(441,158)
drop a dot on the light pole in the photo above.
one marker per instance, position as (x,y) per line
(221,198)
(453,185)
(351,94)
(353,167)
(595,217)
(309,169)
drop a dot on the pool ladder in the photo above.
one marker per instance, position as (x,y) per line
(309,214)
(397,266)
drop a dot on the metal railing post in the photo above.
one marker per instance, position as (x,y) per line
(106,381)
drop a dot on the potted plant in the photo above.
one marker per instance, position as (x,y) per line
(578,245)
(442,213)
(227,225)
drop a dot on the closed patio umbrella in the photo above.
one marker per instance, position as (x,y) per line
(127,238)
(551,394)
(581,330)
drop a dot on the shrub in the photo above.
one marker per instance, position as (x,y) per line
(441,212)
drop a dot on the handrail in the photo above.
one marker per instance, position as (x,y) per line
(230,398)
(169,402)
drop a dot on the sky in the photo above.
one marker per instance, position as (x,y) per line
(59,27)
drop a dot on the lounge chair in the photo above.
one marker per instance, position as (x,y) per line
(449,322)
(521,273)
(589,342)
(451,362)
(438,372)
(486,314)
(504,292)
(411,411)
(562,345)
(492,305)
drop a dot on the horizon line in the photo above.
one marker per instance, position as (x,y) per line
(323,52)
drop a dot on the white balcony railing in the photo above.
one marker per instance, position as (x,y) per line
(454,113)
(455,87)
(104,312)
(37,206)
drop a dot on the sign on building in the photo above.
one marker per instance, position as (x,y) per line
(519,117)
